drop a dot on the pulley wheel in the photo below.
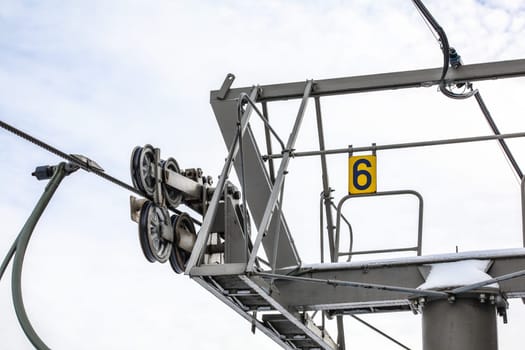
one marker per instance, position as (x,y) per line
(179,257)
(144,170)
(134,165)
(152,220)
(172,195)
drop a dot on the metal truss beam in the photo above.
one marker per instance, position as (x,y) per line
(258,184)
(386,81)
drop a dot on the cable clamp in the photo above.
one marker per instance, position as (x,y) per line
(289,151)
(86,163)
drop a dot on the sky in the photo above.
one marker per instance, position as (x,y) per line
(100,77)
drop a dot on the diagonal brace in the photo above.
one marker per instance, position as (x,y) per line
(272,201)
(209,216)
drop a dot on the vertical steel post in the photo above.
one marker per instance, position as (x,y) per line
(465,324)
(268,143)
(523,209)
(334,251)
(326,185)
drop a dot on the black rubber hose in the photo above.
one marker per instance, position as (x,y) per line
(8,258)
(441,33)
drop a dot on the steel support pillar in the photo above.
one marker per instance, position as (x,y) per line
(465,324)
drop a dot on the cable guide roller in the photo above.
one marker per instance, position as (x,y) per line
(171,237)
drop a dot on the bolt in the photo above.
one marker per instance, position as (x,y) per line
(482,298)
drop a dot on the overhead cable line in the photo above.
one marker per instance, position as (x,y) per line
(84,163)
(81,161)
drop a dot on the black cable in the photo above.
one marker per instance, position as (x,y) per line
(456,96)
(443,88)
(445,48)
(8,258)
(72,159)
(441,33)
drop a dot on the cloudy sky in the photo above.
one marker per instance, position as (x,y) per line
(100,77)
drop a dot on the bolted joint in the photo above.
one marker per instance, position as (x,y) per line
(483,298)
(289,151)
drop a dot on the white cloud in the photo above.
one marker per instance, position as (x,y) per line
(101,77)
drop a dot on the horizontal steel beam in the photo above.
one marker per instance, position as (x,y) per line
(386,81)
(182,183)
(400,145)
(335,282)
(302,294)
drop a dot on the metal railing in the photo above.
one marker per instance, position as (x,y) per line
(350,253)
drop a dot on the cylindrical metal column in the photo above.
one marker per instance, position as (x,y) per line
(465,324)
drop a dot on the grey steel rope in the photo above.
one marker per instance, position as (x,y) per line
(74,160)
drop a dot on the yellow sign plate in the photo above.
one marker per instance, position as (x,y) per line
(362,174)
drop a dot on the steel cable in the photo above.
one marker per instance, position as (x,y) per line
(70,158)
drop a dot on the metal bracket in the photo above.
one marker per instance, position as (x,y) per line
(226,85)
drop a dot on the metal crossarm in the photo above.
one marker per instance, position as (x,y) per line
(388,81)
(402,145)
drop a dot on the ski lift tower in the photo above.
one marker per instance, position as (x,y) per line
(459,295)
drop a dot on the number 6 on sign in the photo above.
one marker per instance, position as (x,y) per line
(362,174)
